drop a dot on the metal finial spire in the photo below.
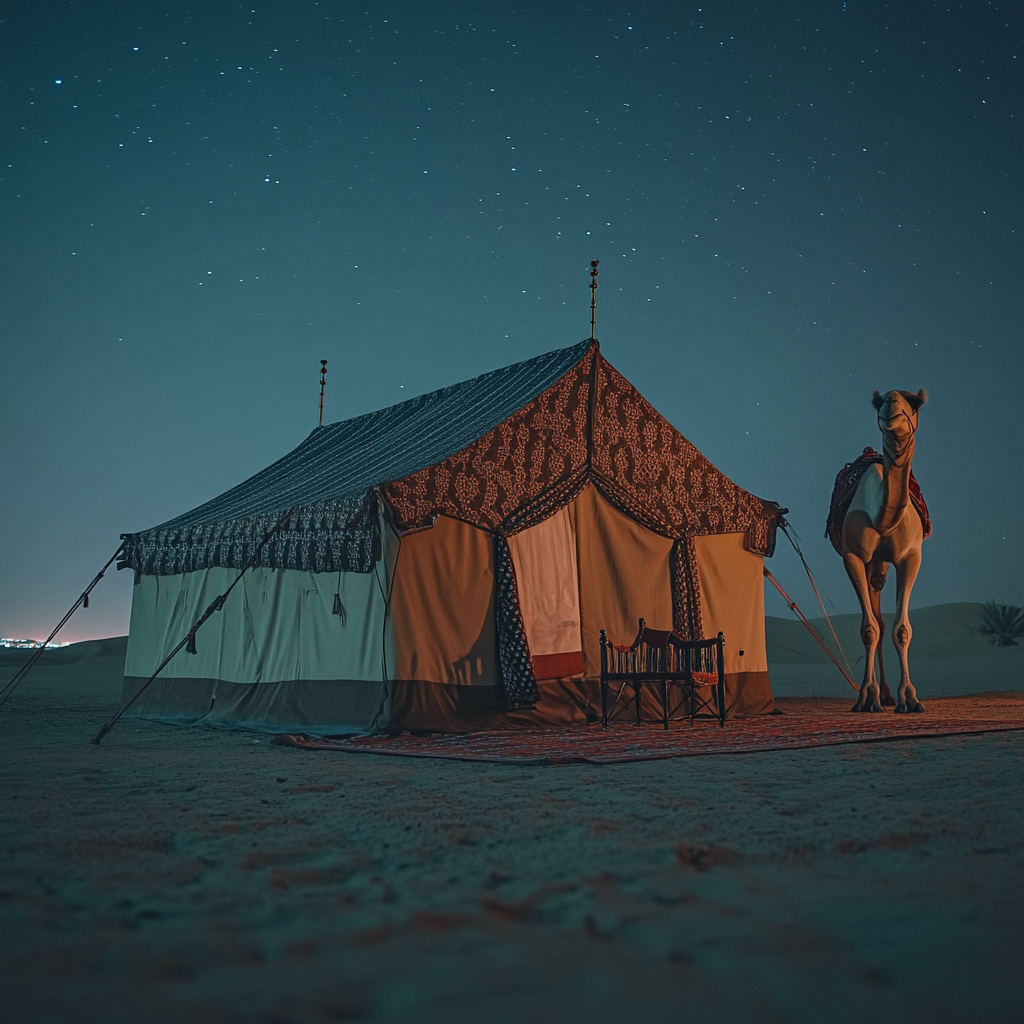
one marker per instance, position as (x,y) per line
(593,296)
(323,380)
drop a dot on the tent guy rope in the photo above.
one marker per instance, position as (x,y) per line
(83,601)
(803,618)
(814,587)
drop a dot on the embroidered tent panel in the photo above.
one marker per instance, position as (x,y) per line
(517,474)
(649,469)
(541,457)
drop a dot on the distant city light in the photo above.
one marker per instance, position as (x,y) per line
(7,641)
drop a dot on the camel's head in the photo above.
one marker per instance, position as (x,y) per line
(897,415)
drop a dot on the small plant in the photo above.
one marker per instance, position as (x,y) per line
(1002,623)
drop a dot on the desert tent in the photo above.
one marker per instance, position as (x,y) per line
(448,563)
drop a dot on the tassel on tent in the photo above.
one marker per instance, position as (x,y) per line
(85,603)
(191,645)
(339,608)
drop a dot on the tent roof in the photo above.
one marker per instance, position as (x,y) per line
(344,460)
(500,451)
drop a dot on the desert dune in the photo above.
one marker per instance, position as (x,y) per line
(948,657)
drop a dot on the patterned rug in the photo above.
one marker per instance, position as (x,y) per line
(804,722)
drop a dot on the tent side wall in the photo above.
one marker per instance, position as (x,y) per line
(275,658)
(732,599)
(624,576)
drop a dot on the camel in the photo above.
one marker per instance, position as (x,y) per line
(881,526)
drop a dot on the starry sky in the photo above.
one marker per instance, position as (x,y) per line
(793,203)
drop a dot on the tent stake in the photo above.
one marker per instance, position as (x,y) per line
(83,600)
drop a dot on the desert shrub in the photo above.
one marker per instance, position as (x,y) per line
(1002,623)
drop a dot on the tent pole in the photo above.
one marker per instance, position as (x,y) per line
(323,375)
(593,297)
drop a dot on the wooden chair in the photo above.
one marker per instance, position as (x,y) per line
(682,674)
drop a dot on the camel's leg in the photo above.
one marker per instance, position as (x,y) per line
(876,579)
(906,574)
(870,696)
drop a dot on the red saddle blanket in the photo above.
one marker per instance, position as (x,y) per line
(845,487)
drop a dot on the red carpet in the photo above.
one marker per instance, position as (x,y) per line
(805,722)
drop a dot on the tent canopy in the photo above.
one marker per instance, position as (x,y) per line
(502,451)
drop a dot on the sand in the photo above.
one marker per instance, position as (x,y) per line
(193,875)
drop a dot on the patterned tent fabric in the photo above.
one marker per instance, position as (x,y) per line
(517,677)
(328,536)
(649,470)
(686,614)
(590,425)
(331,475)
(539,458)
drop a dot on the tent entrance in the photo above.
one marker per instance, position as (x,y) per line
(547,579)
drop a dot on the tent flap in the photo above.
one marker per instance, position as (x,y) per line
(549,597)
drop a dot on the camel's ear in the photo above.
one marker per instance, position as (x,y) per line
(916,401)
(876,400)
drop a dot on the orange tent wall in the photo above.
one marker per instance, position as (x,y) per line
(445,673)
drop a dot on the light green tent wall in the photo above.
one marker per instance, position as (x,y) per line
(274,658)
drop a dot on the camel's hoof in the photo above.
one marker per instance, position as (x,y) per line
(911,707)
(857,707)
(875,707)
(888,701)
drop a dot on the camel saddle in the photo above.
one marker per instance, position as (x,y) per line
(846,486)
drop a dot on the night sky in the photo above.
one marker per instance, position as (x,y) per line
(793,204)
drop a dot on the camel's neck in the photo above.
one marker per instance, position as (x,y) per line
(895,482)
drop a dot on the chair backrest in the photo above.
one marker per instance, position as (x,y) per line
(663,651)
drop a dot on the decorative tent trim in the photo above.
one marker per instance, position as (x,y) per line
(327,536)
